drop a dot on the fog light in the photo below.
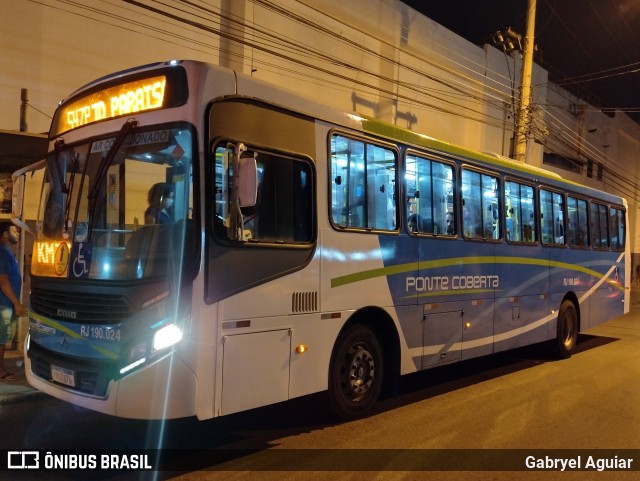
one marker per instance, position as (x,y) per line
(138,351)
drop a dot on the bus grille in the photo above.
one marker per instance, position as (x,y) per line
(93,379)
(91,308)
(304,302)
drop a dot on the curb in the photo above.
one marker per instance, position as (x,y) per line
(29,394)
(14,392)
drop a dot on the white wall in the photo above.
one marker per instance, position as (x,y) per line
(52,48)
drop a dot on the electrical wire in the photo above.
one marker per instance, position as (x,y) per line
(462,92)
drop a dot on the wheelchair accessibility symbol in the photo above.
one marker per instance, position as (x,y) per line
(80,260)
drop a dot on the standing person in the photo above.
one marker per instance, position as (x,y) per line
(10,287)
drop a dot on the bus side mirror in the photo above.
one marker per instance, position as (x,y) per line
(248,181)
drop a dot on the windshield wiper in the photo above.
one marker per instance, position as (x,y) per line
(54,208)
(106,162)
(68,190)
(58,144)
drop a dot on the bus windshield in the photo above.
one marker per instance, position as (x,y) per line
(118,207)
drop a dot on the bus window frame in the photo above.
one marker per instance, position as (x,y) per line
(499,196)
(395,149)
(624,237)
(210,211)
(405,194)
(572,195)
(606,205)
(552,190)
(536,208)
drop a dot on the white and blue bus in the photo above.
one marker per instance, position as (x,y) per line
(301,250)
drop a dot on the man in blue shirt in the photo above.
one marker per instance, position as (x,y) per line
(10,286)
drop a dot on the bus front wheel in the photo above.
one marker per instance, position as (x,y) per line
(567,333)
(355,372)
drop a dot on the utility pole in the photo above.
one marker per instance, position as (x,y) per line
(232,50)
(523,118)
(24,103)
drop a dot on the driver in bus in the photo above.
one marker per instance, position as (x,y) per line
(161,198)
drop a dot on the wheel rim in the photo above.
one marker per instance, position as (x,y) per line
(358,372)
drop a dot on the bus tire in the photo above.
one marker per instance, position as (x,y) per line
(567,330)
(355,372)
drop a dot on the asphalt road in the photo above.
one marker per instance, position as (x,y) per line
(473,420)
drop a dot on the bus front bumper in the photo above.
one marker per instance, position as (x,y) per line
(165,389)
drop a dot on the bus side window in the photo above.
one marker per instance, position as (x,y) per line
(432,202)
(577,222)
(599,226)
(617,228)
(519,216)
(363,180)
(283,211)
(552,217)
(480,206)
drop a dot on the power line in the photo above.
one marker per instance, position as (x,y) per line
(602,75)
(197,22)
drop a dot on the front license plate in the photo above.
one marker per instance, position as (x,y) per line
(63,376)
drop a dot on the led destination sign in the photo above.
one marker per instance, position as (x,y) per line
(123,99)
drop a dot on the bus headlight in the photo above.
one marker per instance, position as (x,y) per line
(139,353)
(166,336)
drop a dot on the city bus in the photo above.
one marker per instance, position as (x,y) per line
(207,243)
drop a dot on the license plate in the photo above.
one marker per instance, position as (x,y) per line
(63,376)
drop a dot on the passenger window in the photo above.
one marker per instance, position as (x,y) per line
(430,206)
(519,217)
(480,206)
(283,212)
(363,180)
(577,228)
(616,228)
(552,224)
(599,226)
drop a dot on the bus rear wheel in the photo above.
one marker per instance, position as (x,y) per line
(355,372)
(567,330)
